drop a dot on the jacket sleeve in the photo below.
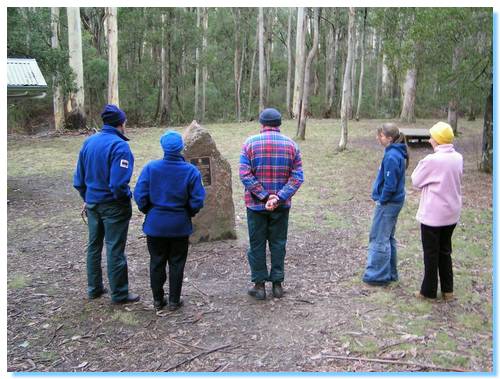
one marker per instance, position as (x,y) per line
(248,178)
(422,175)
(295,180)
(196,193)
(122,166)
(79,176)
(391,174)
(141,191)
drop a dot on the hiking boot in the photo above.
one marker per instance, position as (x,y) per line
(131,298)
(448,296)
(159,304)
(174,306)
(99,294)
(419,296)
(277,290)
(258,291)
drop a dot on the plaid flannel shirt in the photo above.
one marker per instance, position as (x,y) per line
(270,163)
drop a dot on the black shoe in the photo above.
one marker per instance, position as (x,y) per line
(277,290)
(159,304)
(174,306)
(99,294)
(258,291)
(131,298)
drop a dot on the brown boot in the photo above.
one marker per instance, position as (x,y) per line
(277,290)
(258,291)
(448,296)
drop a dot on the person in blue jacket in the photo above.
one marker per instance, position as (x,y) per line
(102,177)
(389,194)
(170,192)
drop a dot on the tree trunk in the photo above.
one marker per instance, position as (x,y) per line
(302,119)
(237,63)
(252,69)
(300,46)
(197,72)
(410,89)
(453,103)
(378,80)
(346,87)
(487,151)
(362,69)
(353,75)
(204,67)
(112,26)
(76,118)
(331,69)
(290,63)
(165,70)
(58,95)
(262,64)
(268,38)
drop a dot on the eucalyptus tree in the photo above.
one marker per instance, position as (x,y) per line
(58,98)
(76,104)
(112,34)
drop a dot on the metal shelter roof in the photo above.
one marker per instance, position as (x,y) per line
(24,78)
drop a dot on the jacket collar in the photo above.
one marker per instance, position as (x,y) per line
(266,128)
(112,130)
(173,157)
(446,148)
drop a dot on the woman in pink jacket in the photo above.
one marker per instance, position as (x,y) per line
(438,175)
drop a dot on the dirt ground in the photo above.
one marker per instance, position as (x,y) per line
(327,321)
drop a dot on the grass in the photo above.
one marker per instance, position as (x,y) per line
(18,281)
(126,318)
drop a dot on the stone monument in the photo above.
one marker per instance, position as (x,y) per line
(216,220)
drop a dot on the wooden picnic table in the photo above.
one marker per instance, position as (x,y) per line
(412,134)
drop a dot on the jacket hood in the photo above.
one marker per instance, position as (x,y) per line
(398,147)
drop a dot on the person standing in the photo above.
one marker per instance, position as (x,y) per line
(102,177)
(389,194)
(271,172)
(170,192)
(438,176)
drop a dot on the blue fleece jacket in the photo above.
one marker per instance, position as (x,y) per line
(169,191)
(104,167)
(389,186)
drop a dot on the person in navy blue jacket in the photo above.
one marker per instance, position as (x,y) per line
(103,172)
(389,194)
(170,192)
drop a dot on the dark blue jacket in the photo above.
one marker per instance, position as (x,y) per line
(104,167)
(169,191)
(390,183)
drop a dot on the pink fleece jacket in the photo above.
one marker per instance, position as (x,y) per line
(439,176)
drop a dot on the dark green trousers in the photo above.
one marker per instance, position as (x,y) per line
(108,222)
(271,227)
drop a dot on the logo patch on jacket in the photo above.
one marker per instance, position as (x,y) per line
(388,173)
(124,163)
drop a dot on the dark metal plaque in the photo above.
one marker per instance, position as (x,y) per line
(203,164)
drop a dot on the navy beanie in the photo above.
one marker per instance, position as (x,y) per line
(171,142)
(112,115)
(270,117)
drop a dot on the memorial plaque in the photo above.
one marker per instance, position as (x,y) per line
(203,164)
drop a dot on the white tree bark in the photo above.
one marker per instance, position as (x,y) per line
(238,58)
(300,47)
(58,95)
(112,27)
(353,75)
(77,98)
(302,119)
(165,72)
(290,63)
(252,69)
(346,86)
(262,63)
(410,90)
(453,103)
(362,69)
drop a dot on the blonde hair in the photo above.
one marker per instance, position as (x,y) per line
(392,131)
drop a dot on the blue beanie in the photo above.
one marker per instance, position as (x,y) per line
(112,115)
(171,142)
(270,117)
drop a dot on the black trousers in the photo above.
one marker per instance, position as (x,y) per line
(436,243)
(163,250)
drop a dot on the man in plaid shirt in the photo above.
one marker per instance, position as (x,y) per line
(271,172)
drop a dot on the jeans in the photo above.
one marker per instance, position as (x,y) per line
(108,222)
(436,243)
(381,266)
(163,250)
(271,227)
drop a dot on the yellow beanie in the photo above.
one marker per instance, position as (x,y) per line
(442,133)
